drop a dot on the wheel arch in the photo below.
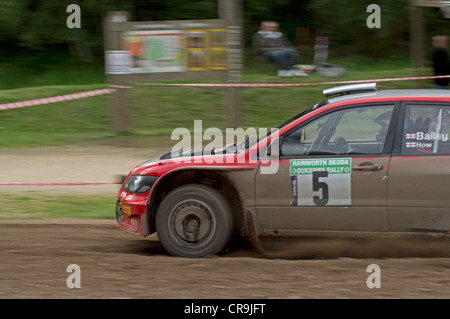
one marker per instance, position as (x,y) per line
(211,177)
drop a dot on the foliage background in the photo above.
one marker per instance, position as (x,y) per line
(29,27)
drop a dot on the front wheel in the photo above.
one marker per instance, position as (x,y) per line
(194,221)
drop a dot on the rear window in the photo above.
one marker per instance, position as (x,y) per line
(426,130)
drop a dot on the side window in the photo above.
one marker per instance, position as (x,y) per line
(426,130)
(359,130)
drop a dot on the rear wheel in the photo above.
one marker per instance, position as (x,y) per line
(194,220)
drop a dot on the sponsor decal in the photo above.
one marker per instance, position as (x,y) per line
(433,136)
(424,140)
(126,210)
(321,182)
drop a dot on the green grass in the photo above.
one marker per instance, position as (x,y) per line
(40,206)
(157,110)
(56,123)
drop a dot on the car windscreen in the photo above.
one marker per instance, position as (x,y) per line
(303,113)
(249,142)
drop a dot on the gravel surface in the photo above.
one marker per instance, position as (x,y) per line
(35,254)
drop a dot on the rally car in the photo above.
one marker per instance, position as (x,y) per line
(362,161)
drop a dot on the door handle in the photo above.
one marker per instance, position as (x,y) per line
(368,167)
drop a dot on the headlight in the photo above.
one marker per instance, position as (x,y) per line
(139,184)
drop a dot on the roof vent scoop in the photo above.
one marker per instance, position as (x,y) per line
(349,89)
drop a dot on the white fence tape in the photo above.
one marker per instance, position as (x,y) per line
(296,84)
(55,99)
(80,95)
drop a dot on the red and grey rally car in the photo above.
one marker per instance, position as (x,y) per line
(362,161)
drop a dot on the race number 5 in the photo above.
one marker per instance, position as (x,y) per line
(321,182)
(317,186)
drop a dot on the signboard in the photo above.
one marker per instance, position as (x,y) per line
(173,50)
(117,62)
(154,51)
(218,49)
(182,47)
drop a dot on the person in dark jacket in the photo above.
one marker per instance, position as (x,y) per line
(441,62)
(274,45)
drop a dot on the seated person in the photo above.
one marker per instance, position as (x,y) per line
(274,45)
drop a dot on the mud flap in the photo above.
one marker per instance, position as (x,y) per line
(249,233)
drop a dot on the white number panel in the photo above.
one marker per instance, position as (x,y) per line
(321,182)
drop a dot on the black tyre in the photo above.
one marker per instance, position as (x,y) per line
(194,220)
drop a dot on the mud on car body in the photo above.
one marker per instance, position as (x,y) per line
(362,161)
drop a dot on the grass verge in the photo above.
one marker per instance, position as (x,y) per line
(39,206)
(158,110)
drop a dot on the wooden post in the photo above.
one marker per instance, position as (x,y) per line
(112,38)
(231,11)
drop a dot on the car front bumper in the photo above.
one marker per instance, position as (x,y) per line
(131,213)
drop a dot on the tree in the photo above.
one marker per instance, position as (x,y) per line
(344,21)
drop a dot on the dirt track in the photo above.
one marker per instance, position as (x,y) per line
(34,255)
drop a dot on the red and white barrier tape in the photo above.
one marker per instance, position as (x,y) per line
(80,95)
(55,184)
(120,86)
(55,99)
(295,84)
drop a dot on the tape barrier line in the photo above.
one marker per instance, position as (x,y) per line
(55,99)
(56,184)
(80,95)
(294,84)
(121,86)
